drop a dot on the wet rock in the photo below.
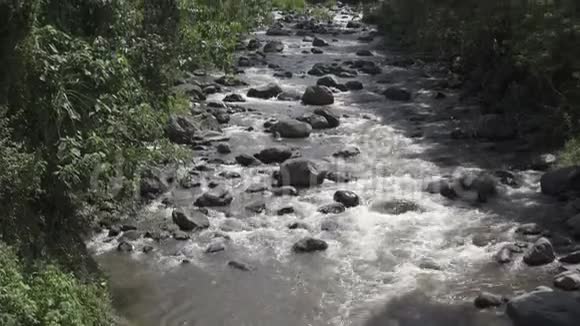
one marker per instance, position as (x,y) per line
(427,263)
(319,42)
(155,182)
(300,173)
(285,191)
(256,207)
(334,208)
(543,308)
(568,280)
(354,85)
(189,220)
(329,225)
(307,245)
(307,39)
(488,300)
(541,253)
(529,229)
(292,128)
(157,235)
(274,155)
(347,152)
(285,210)
(283,74)
(148,249)
(353,24)
(504,255)
(560,181)
(366,38)
(347,198)
(507,178)
(125,246)
(318,95)
(316,51)
(114,231)
(289,96)
(543,162)
(211,89)
(339,177)
(192,90)
(181,129)
(254,44)
(244,62)
(484,184)
(230,81)
(395,207)
(230,175)
(240,266)
(247,160)
(480,240)
(265,91)
(574,224)
(234,98)
(298,225)
(180,236)
(332,118)
(397,94)
(278,31)
(571,258)
(214,198)
(215,247)
(315,120)
(223,148)
(273,46)
(257,187)
(364,53)
(495,127)
(327,81)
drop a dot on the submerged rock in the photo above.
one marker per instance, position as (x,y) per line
(395,207)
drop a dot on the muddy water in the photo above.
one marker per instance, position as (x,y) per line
(376,269)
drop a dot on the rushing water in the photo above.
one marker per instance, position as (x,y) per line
(373,272)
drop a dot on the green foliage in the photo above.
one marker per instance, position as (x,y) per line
(46,296)
(289,4)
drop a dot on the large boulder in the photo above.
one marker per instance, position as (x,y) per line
(541,253)
(560,181)
(274,46)
(543,308)
(568,280)
(495,127)
(300,173)
(309,245)
(573,224)
(318,95)
(181,129)
(332,118)
(266,91)
(155,182)
(189,220)
(274,155)
(292,128)
(214,198)
(397,94)
(347,198)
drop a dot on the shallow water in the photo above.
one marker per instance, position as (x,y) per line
(371,273)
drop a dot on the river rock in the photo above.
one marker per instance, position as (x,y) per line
(395,207)
(318,95)
(285,191)
(189,220)
(278,31)
(484,184)
(543,308)
(529,229)
(266,91)
(397,94)
(347,152)
(568,280)
(274,155)
(495,127)
(256,207)
(256,188)
(316,51)
(292,128)
(298,225)
(125,246)
(327,81)
(285,210)
(541,253)
(240,266)
(332,118)
(315,120)
(329,225)
(354,85)
(274,46)
(560,181)
(215,247)
(234,98)
(189,181)
(155,182)
(283,74)
(571,258)
(307,245)
(214,198)
(347,198)
(223,148)
(181,129)
(180,235)
(319,42)
(254,44)
(289,96)
(353,24)
(334,208)
(364,53)
(230,81)
(504,255)
(488,300)
(442,187)
(247,160)
(300,173)
(339,177)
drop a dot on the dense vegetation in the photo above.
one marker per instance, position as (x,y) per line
(85,92)
(523,56)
